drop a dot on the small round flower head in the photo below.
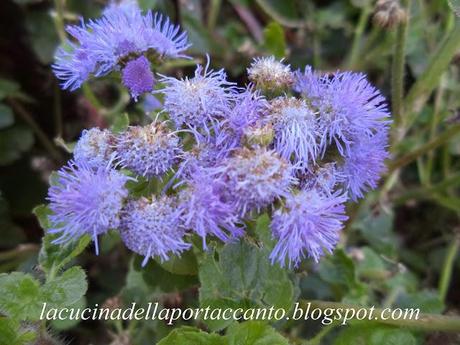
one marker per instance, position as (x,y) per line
(249,108)
(107,44)
(307,226)
(259,135)
(94,148)
(255,178)
(149,151)
(349,107)
(199,101)
(270,74)
(153,228)
(296,130)
(364,164)
(138,77)
(205,210)
(85,200)
(389,13)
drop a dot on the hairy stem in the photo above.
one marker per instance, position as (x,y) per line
(446,274)
(425,322)
(358,35)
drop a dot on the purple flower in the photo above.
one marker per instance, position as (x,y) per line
(200,101)
(206,211)
(364,164)
(138,77)
(296,130)
(109,43)
(255,178)
(85,200)
(94,148)
(153,228)
(149,151)
(325,178)
(308,225)
(349,107)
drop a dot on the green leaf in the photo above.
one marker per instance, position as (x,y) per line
(186,264)
(242,273)
(274,40)
(285,12)
(254,333)
(157,277)
(11,333)
(42,34)
(263,231)
(8,88)
(339,271)
(20,296)
(54,257)
(14,141)
(67,323)
(373,334)
(121,123)
(6,116)
(192,336)
(66,289)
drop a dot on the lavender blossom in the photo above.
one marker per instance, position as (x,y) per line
(308,225)
(255,178)
(206,211)
(349,107)
(296,130)
(94,148)
(85,200)
(200,101)
(364,164)
(111,42)
(149,151)
(138,77)
(153,228)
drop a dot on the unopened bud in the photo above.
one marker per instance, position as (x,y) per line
(259,135)
(389,14)
(270,74)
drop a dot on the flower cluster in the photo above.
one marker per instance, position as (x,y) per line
(295,144)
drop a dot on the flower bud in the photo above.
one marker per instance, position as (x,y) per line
(259,135)
(389,14)
(270,74)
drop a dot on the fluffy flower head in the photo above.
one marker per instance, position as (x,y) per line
(308,225)
(85,200)
(149,151)
(153,228)
(269,73)
(94,148)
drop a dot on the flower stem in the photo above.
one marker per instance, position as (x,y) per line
(358,35)
(397,69)
(421,90)
(446,274)
(430,145)
(424,322)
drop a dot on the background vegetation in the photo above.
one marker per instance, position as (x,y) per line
(399,248)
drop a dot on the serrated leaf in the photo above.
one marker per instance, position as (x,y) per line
(11,333)
(52,256)
(20,296)
(274,40)
(192,336)
(6,116)
(242,273)
(66,289)
(186,264)
(254,333)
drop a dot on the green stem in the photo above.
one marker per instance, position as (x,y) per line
(421,90)
(42,137)
(316,340)
(397,70)
(426,192)
(59,20)
(425,322)
(91,97)
(446,274)
(430,145)
(213,14)
(358,35)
